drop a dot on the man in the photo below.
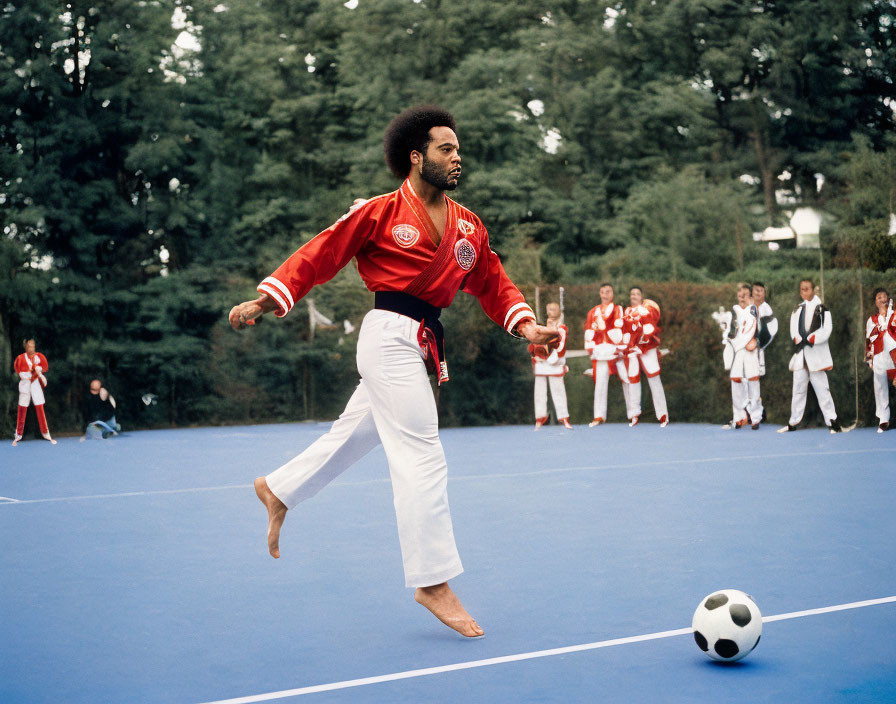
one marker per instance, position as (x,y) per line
(603,339)
(31,366)
(415,248)
(642,329)
(744,372)
(99,412)
(768,328)
(880,345)
(810,328)
(549,367)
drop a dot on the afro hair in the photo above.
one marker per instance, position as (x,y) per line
(409,131)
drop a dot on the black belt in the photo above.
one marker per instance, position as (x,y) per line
(406,304)
(431,336)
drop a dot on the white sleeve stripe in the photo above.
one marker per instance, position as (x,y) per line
(516,308)
(280,285)
(273,293)
(518,317)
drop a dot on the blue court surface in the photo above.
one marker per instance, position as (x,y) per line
(135,569)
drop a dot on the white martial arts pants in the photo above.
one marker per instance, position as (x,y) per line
(882,396)
(630,409)
(601,384)
(801,379)
(656,391)
(745,401)
(760,409)
(558,393)
(394,405)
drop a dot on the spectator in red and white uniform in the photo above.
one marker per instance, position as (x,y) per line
(549,368)
(880,348)
(642,330)
(31,367)
(415,248)
(603,339)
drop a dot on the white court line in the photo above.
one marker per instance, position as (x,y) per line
(9,500)
(630,465)
(129,493)
(467,477)
(671,462)
(829,609)
(523,656)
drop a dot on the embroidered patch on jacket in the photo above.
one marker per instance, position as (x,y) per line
(466,228)
(405,235)
(465,254)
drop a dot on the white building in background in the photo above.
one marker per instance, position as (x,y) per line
(804,227)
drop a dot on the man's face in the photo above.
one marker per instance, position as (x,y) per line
(441,162)
(881,300)
(759,295)
(635,297)
(95,387)
(29,348)
(806,290)
(606,294)
(744,297)
(553,311)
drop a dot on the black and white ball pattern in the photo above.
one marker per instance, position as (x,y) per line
(727,625)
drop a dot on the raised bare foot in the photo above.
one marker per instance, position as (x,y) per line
(276,513)
(446,607)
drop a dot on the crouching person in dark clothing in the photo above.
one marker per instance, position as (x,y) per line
(99,413)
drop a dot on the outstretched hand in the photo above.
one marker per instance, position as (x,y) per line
(246,312)
(537,334)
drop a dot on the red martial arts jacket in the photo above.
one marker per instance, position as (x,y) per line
(643,323)
(612,333)
(21,364)
(874,336)
(392,239)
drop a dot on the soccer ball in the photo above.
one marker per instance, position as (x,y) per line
(727,625)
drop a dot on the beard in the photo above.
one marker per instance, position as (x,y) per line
(430,173)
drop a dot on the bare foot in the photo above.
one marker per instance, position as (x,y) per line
(276,513)
(446,607)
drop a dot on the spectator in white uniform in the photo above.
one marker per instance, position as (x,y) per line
(810,328)
(768,328)
(744,370)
